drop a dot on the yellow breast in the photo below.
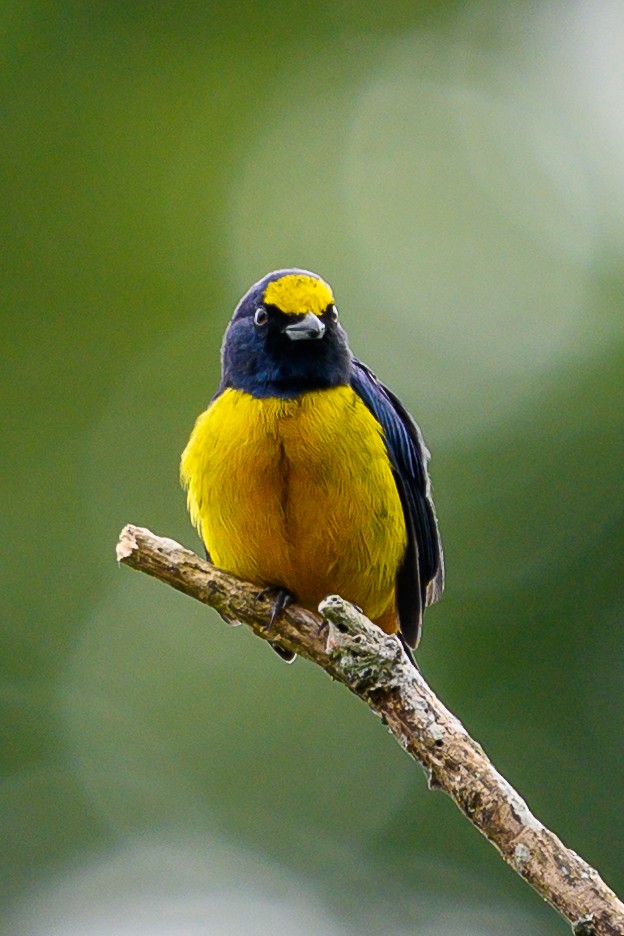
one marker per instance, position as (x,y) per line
(300,494)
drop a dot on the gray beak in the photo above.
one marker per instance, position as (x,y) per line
(310,326)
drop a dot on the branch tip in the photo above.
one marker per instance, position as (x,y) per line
(127,544)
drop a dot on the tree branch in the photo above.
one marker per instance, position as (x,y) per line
(374,667)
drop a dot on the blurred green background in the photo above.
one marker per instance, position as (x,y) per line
(455,171)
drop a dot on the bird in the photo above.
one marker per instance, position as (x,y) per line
(306,475)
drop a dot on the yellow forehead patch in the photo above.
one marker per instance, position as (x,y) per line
(297,293)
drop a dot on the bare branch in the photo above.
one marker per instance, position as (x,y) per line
(374,667)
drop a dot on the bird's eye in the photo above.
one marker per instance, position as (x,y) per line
(261,316)
(332,312)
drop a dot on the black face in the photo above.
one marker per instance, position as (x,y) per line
(269,353)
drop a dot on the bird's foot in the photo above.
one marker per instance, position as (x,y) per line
(283,598)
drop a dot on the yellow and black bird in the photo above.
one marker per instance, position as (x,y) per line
(306,474)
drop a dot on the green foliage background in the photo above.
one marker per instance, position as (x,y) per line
(454,170)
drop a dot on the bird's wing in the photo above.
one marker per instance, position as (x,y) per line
(421,577)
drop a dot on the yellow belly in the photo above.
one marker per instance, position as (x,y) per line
(300,494)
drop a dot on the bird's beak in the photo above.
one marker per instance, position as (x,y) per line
(309,326)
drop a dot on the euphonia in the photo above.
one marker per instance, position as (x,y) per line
(306,474)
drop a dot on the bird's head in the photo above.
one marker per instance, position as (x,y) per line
(285,339)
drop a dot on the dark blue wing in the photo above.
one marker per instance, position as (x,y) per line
(421,577)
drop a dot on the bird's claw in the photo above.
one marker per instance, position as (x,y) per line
(283,598)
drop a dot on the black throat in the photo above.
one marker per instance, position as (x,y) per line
(273,365)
